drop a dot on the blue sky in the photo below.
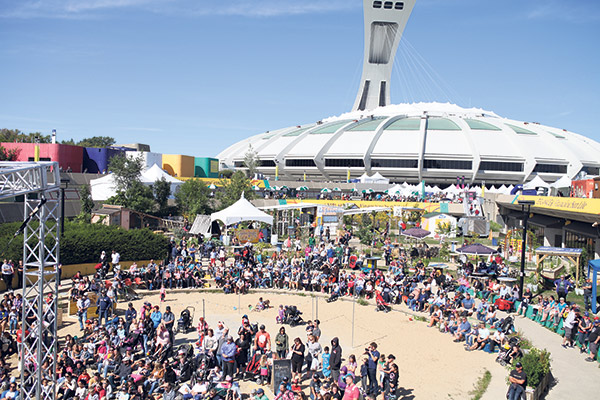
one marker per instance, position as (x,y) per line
(194,76)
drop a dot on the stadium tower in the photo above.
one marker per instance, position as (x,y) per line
(384,24)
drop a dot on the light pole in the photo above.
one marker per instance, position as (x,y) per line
(66,181)
(524,203)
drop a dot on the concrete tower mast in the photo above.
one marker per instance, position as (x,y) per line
(384,24)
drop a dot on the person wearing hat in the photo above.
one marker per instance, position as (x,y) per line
(569,324)
(594,340)
(259,394)
(518,382)
(262,342)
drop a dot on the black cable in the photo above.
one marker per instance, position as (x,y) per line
(24,224)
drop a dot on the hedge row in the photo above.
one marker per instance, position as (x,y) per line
(83,243)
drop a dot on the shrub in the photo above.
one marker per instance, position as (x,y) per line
(83,243)
(536,364)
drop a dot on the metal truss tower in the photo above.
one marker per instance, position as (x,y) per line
(40,184)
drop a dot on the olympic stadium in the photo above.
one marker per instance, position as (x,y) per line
(436,142)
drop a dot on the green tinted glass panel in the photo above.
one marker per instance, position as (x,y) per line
(405,124)
(441,124)
(297,132)
(556,135)
(367,126)
(477,125)
(520,130)
(268,136)
(331,128)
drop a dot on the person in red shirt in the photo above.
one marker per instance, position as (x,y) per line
(262,341)
(352,392)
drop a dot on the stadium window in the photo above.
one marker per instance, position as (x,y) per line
(238,164)
(377,4)
(447,164)
(501,166)
(388,5)
(399,5)
(395,163)
(551,168)
(267,163)
(344,163)
(591,170)
(300,163)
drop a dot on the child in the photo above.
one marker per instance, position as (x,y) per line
(264,369)
(325,362)
(213,258)
(364,373)
(14,321)
(280,315)
(163,293)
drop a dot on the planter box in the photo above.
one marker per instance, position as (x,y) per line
(540,391)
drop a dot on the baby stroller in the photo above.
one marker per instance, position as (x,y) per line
(382,305)
(292,316)
(253,367)
(506,325)
(186,318)
(504,357)
(334,296)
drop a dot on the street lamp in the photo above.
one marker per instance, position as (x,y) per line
(66,181)
(524,203)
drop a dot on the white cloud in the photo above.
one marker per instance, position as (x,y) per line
(571,11)
(96,8)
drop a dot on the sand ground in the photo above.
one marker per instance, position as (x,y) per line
(431,365)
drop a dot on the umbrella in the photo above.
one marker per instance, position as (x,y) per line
(275,188)
(416,233)
(302,188)
(337,189)
(325,190)
(476,249)
(212,186)
(368,191)
(284,187)
(255,187)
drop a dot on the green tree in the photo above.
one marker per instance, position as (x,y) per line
(8,154)
(87,204)
(251,161)
(138,197)
(193,198)
(126,171)
(231,190)
(15,135)
(97,141)
(162,191)
(70,142)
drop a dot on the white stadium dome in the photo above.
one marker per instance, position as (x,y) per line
(411,142)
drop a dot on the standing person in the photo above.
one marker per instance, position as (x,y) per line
(587,294)
(115,258)
(103,303)
(281,343)
(297,358)
(21,271)
(130,315)
(262,342)
(518,382)
(82,306)
(335,360)
(563,285)
(569,324)
(8,272)
(169,320)
(594,340)
(373,356)
(314,351)
(163,293)
(228,350)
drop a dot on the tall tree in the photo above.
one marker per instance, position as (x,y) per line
(251,161)
(8,154)
(162,191)
(126,171)
(137,196)
(231,190)
(87,204)
(97,141)
(15,135)
(193,198)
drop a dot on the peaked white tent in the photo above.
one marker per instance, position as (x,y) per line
(105,187)
(535,183)
(241,210)
(396,189)
(563,182)
(376,178)
(155,173)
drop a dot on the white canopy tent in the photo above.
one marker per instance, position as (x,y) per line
(535,183)
(241,210)
(105,187)
(201,225)
(562,183)
(376,178)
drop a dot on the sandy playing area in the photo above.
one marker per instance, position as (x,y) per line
(431,365)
